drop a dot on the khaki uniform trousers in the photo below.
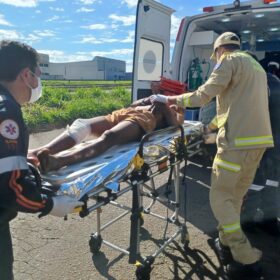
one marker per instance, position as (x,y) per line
(232,174)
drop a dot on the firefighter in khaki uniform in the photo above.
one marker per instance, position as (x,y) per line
(240,85)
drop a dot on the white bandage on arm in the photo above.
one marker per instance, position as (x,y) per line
(79,130)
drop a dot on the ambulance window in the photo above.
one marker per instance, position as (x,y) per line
(150,60)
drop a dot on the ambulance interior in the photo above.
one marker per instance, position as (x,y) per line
(258,29)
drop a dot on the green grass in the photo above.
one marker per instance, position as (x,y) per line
(59,107)
(84,82)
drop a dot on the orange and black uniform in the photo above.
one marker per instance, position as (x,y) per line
(17,191)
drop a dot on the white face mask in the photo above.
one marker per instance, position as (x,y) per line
(36,93)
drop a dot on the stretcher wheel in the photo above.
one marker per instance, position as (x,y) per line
(185,238)
(186,245)
(141,218)
(95,243)
(144,269)
(143,272)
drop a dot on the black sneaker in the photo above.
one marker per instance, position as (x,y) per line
(223,252)
(236,270)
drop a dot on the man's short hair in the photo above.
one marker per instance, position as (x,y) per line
(231,47)
(15,56)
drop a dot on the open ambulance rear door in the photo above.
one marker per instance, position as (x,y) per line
(152,46)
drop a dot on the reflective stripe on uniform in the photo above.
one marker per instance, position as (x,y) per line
(221,120)
(227,165)
(231,228)
(215,121)
(13,163)
(249,141)
(184,101)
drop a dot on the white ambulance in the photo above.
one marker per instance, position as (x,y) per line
(258,25)
(256,22)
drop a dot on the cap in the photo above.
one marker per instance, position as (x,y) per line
(226,38)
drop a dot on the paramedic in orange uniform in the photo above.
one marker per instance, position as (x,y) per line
(244,133)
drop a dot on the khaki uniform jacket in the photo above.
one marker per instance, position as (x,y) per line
(240,85)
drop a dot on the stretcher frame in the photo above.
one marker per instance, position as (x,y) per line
(145,170)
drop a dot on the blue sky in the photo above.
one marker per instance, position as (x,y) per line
(75,30)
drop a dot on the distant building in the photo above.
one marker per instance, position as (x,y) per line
(100,68)
(128,76)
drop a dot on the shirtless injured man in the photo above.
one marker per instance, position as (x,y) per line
(120,127)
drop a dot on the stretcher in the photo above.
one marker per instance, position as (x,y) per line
(132,167)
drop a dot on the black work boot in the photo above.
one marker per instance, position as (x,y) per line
(236,270)
(223,252)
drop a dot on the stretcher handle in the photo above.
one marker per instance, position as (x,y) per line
(36,174)
(147,136)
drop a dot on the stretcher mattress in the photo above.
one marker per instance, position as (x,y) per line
(108,169)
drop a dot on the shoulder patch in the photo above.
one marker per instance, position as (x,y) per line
(218,64)
(9,129)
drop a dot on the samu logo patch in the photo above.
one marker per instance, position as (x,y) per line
(9,129)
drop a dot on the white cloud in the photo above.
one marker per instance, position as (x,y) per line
(9,34)
(109,40)
(175,23)
(114,26)
(52,19)
(129,38)
(24,3)
(130,3)
(60,56)
(98,26)
(114,53)
(38,12)
(87,2)
(31,38)
(3,21)
(44,33)
(93,40)
(57,9)
(85,10)
(90,40)
(20,3)
(126,20)
(54,54)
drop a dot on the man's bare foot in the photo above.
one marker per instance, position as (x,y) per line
(48,162)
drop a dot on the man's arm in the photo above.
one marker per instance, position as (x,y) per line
(172,115)
(18,191)
(155,88)
(141,102)
(215,85)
